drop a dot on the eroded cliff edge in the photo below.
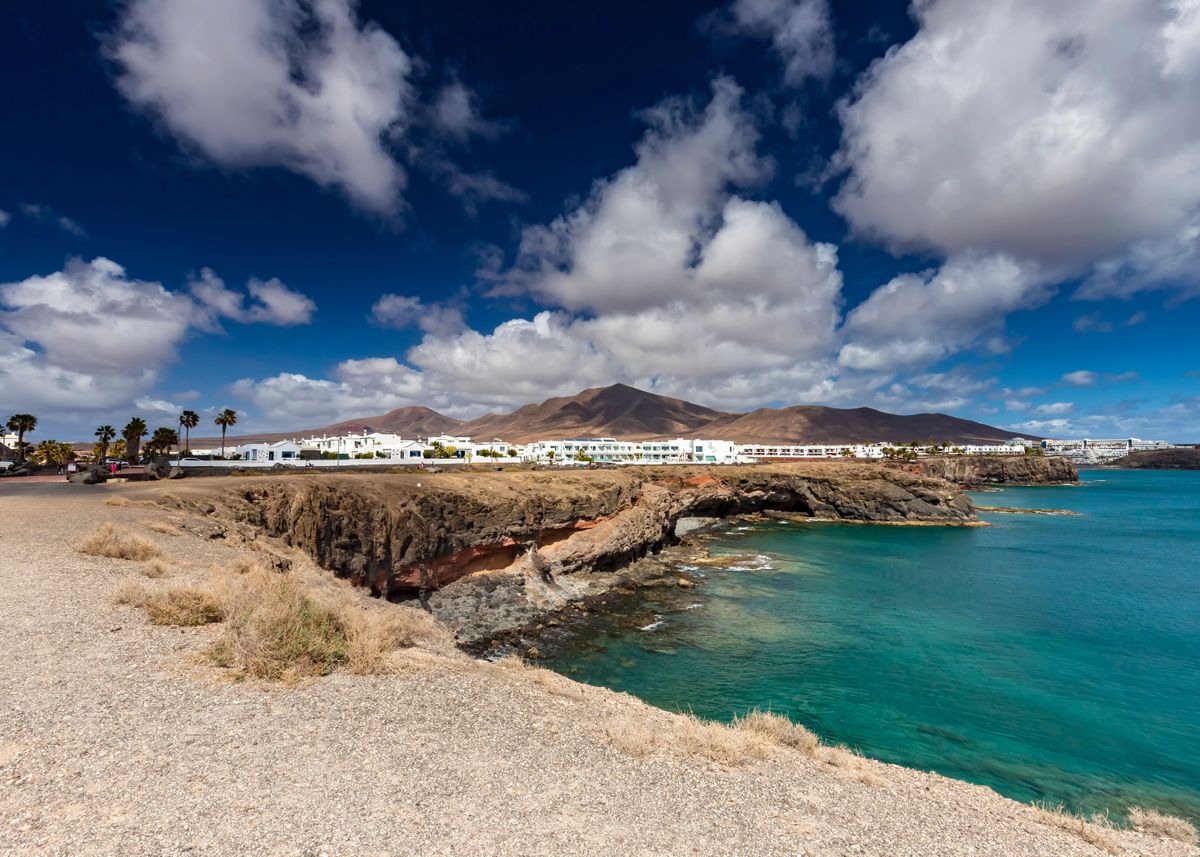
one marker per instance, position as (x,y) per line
(489,550)
(975,470)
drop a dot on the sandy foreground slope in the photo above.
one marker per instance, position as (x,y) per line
(117,738)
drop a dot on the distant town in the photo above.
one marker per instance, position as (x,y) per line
(374,447)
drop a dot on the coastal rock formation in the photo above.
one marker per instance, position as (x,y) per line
(399,533)
(994,469)
(1183,458)
(411,534)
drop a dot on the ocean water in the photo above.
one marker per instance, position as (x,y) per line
(1051,658)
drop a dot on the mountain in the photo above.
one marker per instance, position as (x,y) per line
(407,422)
(629,413)
(846,425)
(617,411)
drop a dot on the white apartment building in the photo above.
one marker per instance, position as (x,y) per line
(283,451)
(813,450)
(1092,451)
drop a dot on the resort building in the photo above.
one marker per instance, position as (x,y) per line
(1089,451)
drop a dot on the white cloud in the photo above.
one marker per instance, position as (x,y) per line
(4,218)
(271,301)
(1056,408)
(89,337)
(1171,263)
(299,84)
(918,319)
(1080,378)
(665,278)
(800,32)
(46,214)
(360,388)
(455,114)
(86,336)
(400,311)
(1091,323)
(1057,132)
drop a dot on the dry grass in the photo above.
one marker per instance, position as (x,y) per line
(245,565)
(163,527)
(276,630)
(632,734)
(1093,831)
(1158,824)
(779,730)
(548,680)
(110,541)
(117,501)
(155,568)
(280,627)
(179,605)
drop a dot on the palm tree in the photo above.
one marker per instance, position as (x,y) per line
(21,423)
(164,439)
(133,433)
(225,419)
(105,434)
(188,420)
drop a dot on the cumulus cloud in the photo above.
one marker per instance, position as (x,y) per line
(800,32)
(1171,264)
(1062,133)
(1056,408)
(90,337)
(86,336)
(359,388)
(663,276)
(918,319)
(1081,378)
(298,84)
(401,311)
(271,301)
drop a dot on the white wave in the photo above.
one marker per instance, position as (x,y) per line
(655,625)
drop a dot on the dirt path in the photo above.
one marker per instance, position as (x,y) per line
(116,739)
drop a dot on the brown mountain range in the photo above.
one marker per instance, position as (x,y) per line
(629,413)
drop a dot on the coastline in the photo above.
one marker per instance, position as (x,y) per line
(189,738)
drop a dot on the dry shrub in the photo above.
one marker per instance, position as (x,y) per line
(840,757)
(374,634)
(1092,831)
(246,565)
(871,779)
(779,730)
(179,605)
(633,734)
(117,501)
(1158,824)
(723,744)
(278,629)
(155,568)
(163,527)
(111,541)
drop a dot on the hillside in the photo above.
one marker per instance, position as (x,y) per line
(1183,458)
(616,411)
(629,413)
(846,425)
(413,421)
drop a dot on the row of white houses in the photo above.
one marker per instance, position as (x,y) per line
(383,447)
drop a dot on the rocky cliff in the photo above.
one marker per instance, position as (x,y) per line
(994,469)
(544,533)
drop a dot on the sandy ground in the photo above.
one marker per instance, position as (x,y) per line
(116,739)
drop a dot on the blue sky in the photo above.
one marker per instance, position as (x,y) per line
(316,210)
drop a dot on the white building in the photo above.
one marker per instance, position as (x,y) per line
(283,451)
(1090,451)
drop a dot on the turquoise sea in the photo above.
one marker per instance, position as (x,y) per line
(1051,658)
